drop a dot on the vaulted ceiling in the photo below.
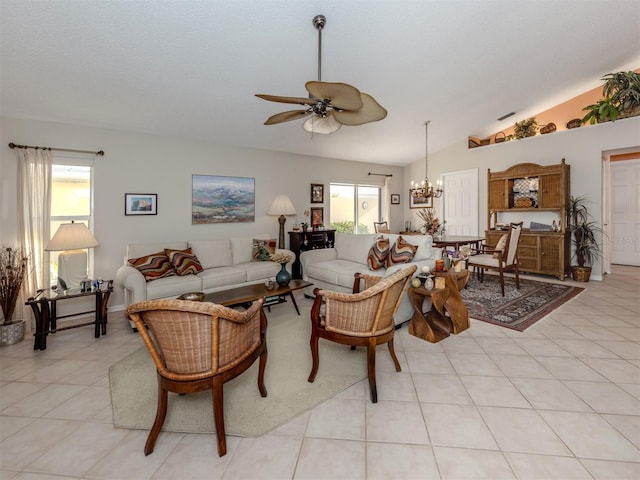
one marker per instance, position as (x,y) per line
(191,68)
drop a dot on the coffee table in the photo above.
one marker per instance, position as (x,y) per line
(251,293)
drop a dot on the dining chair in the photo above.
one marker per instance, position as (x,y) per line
(199,346)
(381,227)
(360,319)
(500,259)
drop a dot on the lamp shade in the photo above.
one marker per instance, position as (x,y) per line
(319,124)
(71,236)
(281,206)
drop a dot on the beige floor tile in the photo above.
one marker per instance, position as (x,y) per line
(590,436)
(622,348)
(564,368)
(14,392)
(520,366)
(441,389)
(11,425)
(584,348)
(87,404)
(457,426)
(500,346)
(395,422)
(615,370)
(43,401)
(628,425)
(390,461)
(521,430)
(428,362)
(494,392)
(327,459)
(338,418)
(607,470)
(295,427)
(538,467)
(605,397)
(269,457)
(468,464)
(550,394)
(397,386)
(540,347)
(474,364)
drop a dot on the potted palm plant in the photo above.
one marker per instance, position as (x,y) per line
(584,232)
(13,271)
(621,92)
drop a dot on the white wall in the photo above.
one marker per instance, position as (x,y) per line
(139,163)
(581,147)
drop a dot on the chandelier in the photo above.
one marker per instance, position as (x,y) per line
(425,189)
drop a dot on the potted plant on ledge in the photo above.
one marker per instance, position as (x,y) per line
(13,271)
(584,240)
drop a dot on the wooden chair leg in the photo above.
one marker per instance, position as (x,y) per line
(502,281)
(313,343)
(371,370)
(517,278)
(161,413)
(218,414)
(261,368)
(392,351)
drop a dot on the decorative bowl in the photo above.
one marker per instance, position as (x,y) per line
(192,296)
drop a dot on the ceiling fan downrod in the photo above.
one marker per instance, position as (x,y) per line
(319,21)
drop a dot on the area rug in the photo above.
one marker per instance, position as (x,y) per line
(518,309)
(134,387)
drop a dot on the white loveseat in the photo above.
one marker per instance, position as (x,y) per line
(333,268)
(226,263)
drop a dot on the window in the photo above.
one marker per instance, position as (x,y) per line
(71,199)
(353,208)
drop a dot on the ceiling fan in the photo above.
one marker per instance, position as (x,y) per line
(329,105)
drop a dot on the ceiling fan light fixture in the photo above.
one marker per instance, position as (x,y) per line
(323,125)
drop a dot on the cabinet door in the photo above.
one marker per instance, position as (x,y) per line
(550,247)
(498,197)
(550,193)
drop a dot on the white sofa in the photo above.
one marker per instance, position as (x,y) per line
(226,262)
(333,268)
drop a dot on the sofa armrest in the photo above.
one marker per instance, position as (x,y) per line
(133,283)
(315,256)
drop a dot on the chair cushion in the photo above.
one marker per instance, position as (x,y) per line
(154,266)
(184,261)
(378,253)
(484,259)
(263,249)
(401,252)
(500,245)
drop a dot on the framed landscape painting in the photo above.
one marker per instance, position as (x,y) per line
(140,203)
(218,199)
(420,202)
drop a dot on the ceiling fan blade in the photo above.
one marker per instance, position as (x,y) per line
(342,95)
(371,111)
(276,98)
(287,116)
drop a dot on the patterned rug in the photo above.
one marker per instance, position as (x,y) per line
(518,309)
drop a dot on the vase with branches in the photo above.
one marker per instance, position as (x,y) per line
(13,272)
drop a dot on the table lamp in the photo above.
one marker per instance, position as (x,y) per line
(281,206)
(71,238)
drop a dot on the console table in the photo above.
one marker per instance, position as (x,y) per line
(301,241)
(46,315)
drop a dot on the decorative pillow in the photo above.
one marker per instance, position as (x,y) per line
(154,266)
(263,249)
(378,253)
(401,252)
(184,261)
(500,245)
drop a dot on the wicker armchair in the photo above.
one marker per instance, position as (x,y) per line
(360,319)
(199,346)
(500,260)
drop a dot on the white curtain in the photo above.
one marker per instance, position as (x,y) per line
(34,213)
(385,201)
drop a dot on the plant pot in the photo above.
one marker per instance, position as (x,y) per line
(11,333)
(581,274)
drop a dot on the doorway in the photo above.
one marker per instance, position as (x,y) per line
(460,202)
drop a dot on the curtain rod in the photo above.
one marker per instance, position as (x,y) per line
(100,153)
(381,174)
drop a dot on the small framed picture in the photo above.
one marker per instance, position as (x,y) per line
(395,199)
(317,193)
(140,203)
(317,216)
(420,202)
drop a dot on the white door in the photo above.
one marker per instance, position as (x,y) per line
(461,202)
(625,212)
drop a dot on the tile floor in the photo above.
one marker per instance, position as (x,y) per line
(559,401)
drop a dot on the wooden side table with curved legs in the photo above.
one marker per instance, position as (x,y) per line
(447,314)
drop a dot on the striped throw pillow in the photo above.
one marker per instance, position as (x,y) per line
(154,266)
(377,256)
(184,261)
(401,252)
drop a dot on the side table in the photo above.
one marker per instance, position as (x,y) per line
(46,316)
(447,315)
